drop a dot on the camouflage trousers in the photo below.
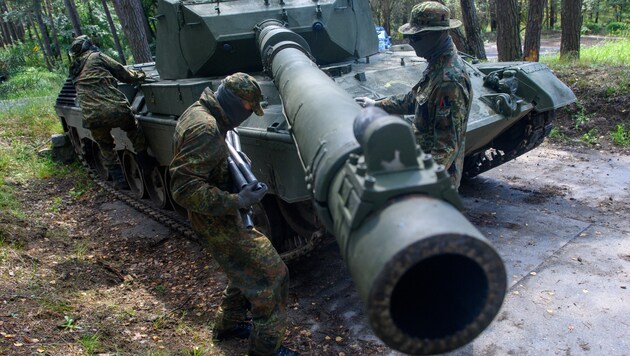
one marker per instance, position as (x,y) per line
(257,279)
(103,137)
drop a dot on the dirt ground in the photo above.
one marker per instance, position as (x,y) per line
(82,273)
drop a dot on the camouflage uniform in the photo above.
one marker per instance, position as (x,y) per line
(104,107)
(200,182)
(441,99)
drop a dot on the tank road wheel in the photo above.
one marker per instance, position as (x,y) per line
(178,208)
(133,174)
(157,187)
(95,160)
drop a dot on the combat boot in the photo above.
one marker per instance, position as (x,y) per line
(118,178)
(240,331)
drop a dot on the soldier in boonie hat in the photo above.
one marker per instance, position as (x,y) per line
(429,16)
(441,99)
(245,86)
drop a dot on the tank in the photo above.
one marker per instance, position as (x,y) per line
(429,280)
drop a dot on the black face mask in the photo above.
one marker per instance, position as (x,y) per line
(430,44)
(233,106)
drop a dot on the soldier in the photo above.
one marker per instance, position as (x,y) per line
(441,99)
(257,277)
(104,107)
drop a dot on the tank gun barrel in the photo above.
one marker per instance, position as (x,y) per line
(429,279)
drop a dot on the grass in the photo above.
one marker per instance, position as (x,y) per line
(621,136)
(90,343)
(611,53)
(32,82)
(26,129)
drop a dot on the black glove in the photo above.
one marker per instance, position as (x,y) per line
(251,194)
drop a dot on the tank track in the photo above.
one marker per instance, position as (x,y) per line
(171,219)
(526,135)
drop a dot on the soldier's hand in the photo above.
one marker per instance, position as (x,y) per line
(364,101)
(251,194)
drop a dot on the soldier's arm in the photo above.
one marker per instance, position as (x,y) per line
(189,170)
(120,72)
(448,115)
(401,104)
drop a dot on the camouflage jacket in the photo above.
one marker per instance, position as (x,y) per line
(200,180)
(441,103)
(94,75)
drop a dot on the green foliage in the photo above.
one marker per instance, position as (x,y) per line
(90,343)
(69,323)
(26,128)
(32,82)
(621,135)
(557,135)
(618,28)
(591,137)
(613,52)
(581,117)
(593,28)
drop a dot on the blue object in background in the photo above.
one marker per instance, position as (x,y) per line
(384,41)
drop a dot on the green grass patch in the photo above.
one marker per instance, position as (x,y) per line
(591,137)
(90,343)
(557,135)
(621,135)
(32,82)
(612,53)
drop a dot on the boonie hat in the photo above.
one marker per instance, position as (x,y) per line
(429,16)
(245,87)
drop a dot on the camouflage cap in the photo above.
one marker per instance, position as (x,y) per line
(429,16)
(245,87)
(79,45)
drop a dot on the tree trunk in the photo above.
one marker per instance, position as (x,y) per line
(508,34)
(20,29)
(552,13)
(5,32)
(112,27)
(42,28)
(73,16)
(459,39)
(54,30)
(473,32)
(533,30)
(492,9)
(39,40)
(597,9)
(130,14)
(571,23)
(9,25)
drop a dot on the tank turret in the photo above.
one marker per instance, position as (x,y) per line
(209,38)
(429,280)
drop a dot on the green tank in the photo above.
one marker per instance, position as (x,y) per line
(429,280)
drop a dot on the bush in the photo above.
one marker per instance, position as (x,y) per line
(594,28)
(13,58)
(32,82)
(618,28)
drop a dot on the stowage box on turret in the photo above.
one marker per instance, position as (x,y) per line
(429,279)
